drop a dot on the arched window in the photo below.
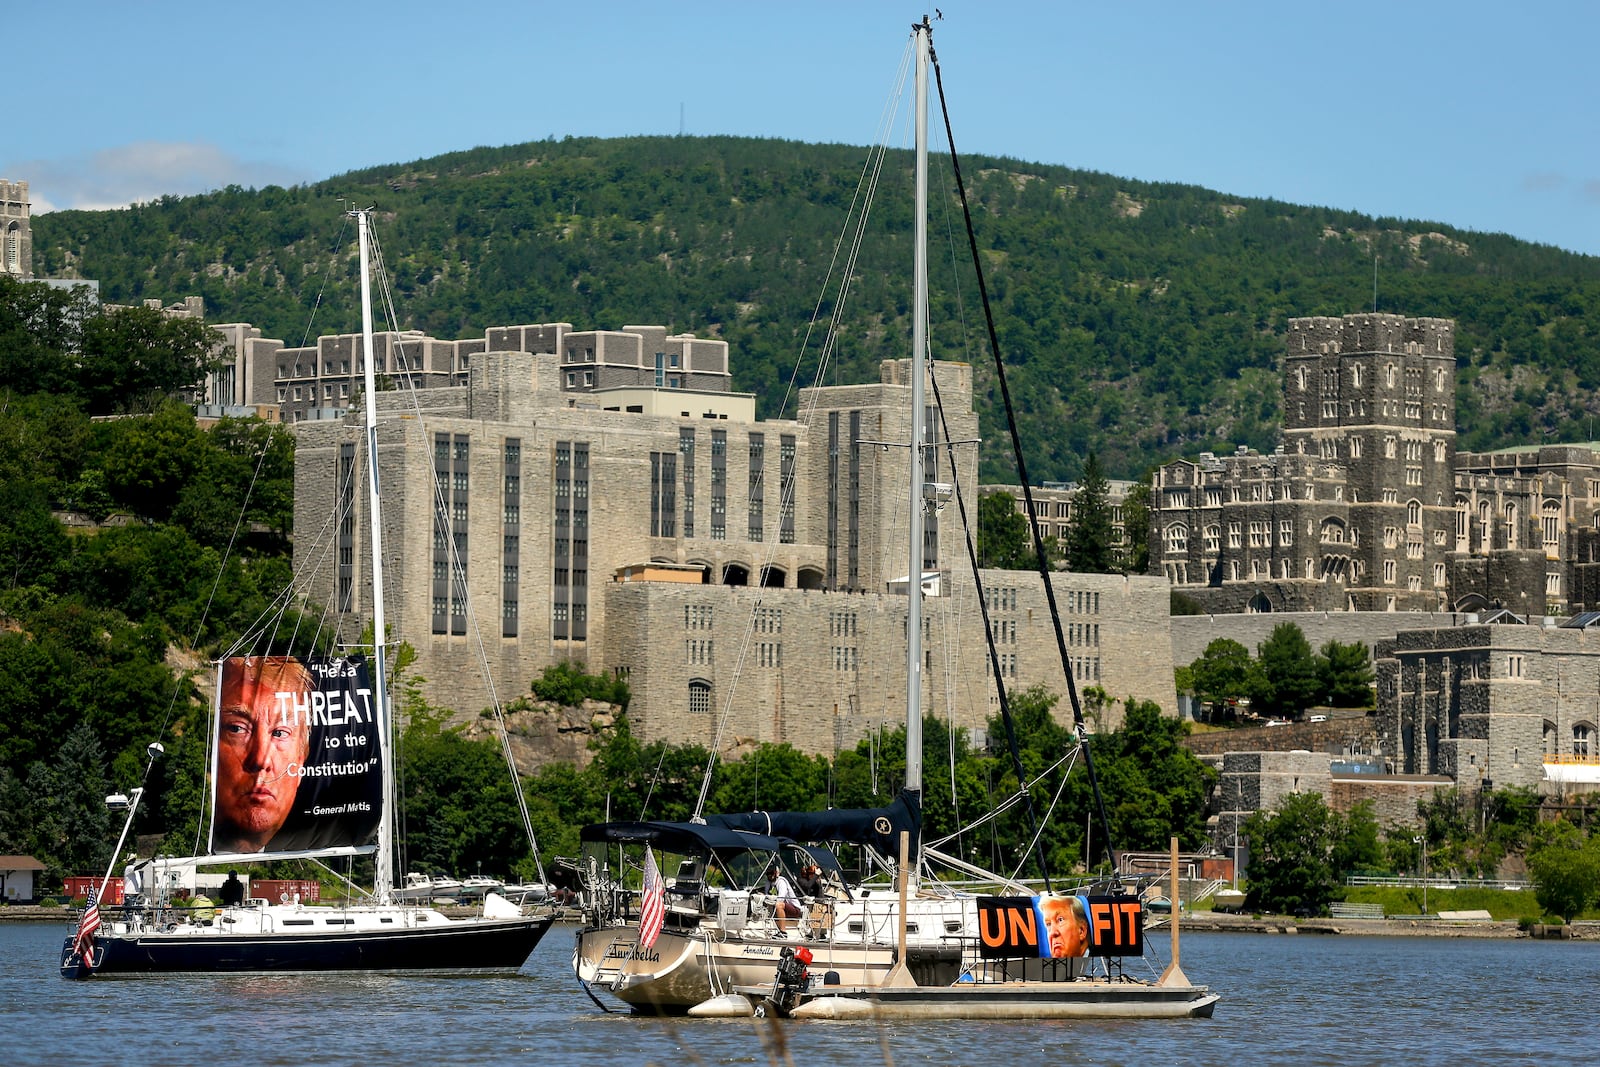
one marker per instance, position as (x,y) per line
(699,696)
(1550,527)
(1177,539)
(1414,512)
(1512,518)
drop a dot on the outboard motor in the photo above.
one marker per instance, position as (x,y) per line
(792,979)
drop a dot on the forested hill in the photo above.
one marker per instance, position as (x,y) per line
(1141,320)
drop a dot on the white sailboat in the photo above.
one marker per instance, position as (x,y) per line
(722,947)
(302,765)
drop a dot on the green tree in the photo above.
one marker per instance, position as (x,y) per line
(1359,847)
(155,459)
(1566,869)
(1289,673)
(460,813)
(1291,868)
(1223,673)
(1004,541)
(569,685)
(1136,528)
(82,788)
(37,331)
(1091,546)
(774,778)
(1346,674)
(131,359)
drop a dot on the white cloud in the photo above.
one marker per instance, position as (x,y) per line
(139,172)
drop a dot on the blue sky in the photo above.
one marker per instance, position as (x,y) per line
(1482,116)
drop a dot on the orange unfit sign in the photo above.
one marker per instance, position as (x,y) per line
(1117,926)
(1017,927)
(1008,926)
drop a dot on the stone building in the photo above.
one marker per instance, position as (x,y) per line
(819,669)
(318,381)
(1355,510)
(1527,535)
(1492,704)
(1053,506)
(1367,505)
(1263,780)
(16,231)
(541,523)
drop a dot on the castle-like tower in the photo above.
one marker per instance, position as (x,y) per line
(16,231)
(1356,508)
(1376,393)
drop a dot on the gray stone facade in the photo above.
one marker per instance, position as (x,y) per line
(514,508)
(1485,704)
(16,230)
(1367,505)
(1355,510)
(819,670)
(1527,534)
(318,381)
(1263,780)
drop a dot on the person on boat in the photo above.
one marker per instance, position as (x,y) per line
(784,904)
(232,891)
(264,737)
(1066,925)
(810,883)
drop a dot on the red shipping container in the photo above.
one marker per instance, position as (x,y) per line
(78,885)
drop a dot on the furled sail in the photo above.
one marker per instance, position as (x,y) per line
(877,827)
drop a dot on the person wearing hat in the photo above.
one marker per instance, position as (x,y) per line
(809,883)
(784,904)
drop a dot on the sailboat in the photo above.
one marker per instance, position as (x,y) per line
(301,766)
(707,940)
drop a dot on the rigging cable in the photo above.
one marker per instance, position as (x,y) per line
(1022,470)
(458,568)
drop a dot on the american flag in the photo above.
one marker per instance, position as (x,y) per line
(87,926)
(653,911)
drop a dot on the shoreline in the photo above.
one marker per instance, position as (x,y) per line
(1505,929)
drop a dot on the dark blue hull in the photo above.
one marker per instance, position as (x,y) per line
(497,945)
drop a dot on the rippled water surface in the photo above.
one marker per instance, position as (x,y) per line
(1285,1000)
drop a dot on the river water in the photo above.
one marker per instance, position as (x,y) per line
(1303,1000)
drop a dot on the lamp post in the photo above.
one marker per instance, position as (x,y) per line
(1235,845)
(1423,841)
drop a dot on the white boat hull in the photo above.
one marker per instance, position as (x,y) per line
(683,969)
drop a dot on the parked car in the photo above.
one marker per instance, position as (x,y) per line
(1318,718)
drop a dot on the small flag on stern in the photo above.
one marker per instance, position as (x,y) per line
(87,926)
(653,910)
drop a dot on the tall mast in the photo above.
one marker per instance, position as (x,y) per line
(384,880)
(919,345)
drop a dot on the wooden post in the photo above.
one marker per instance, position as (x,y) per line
(1174,975)
(899,975)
